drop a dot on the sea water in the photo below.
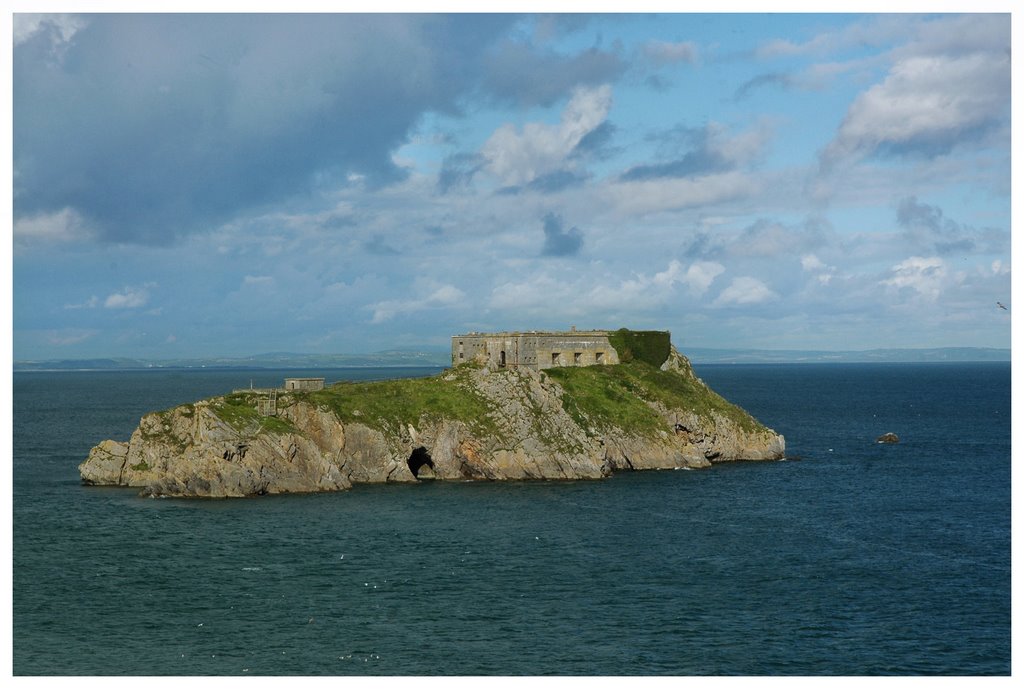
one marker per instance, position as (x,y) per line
(848,558)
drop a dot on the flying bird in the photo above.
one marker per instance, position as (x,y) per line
(1000,305)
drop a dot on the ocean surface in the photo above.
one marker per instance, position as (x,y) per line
(849,558)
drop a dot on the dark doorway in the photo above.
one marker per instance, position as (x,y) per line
(418,459)
(502,364)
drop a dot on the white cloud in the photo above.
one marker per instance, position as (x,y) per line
(697,278)
(745,290)
(69,336)
(128,298)
(439,297)
(767,238)
(663,52)
(596,295)
(692,152)
(744,147)
(26,25)
(446,294)
(811,263)
(820,75)
(50,228)
(701,274)
(90,303)
(520,156)
(921,34)
(823,272)
(926,103)
(924,275)
(959,35)
(874,31)
(253,280)
(667,193)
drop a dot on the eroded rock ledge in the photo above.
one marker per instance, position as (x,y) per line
(467,423)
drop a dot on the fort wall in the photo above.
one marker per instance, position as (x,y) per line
(536,350)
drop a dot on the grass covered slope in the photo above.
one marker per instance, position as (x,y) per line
(385,404)
(239,410)
(617,396)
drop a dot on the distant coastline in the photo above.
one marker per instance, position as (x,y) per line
(438,359)
(907,356)
(441,358)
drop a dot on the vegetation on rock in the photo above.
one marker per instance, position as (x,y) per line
(239,411)
(403,401)
(649,346)
(617,396)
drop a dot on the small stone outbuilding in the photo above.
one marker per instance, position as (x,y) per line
(305,384)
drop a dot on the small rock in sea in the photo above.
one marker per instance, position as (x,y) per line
(888,438)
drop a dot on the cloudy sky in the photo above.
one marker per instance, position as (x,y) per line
(204,185)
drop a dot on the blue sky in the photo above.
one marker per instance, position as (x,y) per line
(215,185)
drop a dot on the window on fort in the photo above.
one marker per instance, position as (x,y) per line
(576,358)
(599,357)
(554,357)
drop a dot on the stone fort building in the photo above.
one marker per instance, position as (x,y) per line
(538,350)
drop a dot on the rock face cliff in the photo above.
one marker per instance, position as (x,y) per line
(468,423)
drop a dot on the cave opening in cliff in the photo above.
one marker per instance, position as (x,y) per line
(417,460)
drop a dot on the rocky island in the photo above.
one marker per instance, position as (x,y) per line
(635,403)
